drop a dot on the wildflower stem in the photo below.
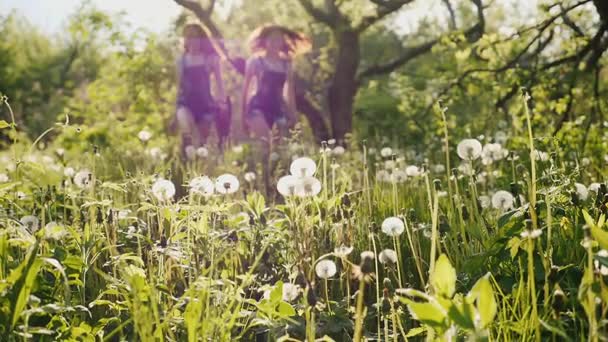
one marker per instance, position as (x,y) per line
(327,296)
(359,313)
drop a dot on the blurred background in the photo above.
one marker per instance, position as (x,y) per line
(377,69)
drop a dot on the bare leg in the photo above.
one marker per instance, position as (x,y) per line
(261,133)
(186,123)
(204,129)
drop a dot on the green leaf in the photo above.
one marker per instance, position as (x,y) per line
(25,276)
(4,124)
(285,309)
(513,246)
(415,332)
(486,302)
(276,295)
(443,279)
(430,314)
(462,314)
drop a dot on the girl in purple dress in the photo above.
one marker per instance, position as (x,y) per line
(273,102)
(196,107)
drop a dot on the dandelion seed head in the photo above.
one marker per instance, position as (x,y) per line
(308,186)
(343,251)
(413,171)
(190,152)
(502,200)
(287,185)
(388,257)
(144,135)
(386,152)
(469,149)
(83,178)
(226,184)
(31,223)
(249,176)
(202,185)
(338,151)
(393,226)
(290,292)
(581,191)
(325,269)
(303,167)
(163,190)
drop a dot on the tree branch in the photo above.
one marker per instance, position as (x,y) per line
(410,53)
(317,13)
(452,22)
(385,7)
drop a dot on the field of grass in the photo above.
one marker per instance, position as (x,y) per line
(483,240)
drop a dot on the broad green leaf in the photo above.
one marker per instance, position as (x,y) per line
(601,236)
(415,332)
(513,246)
(285,309)
(443,279)
(276,295)
(486,302)
(463,314)
(4,124)
(20,292)
(430,314)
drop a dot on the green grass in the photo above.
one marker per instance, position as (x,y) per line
(110,261)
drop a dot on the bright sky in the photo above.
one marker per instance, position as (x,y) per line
(157,15)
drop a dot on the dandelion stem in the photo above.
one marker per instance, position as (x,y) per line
(359,313)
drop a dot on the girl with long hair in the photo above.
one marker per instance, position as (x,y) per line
(270,67)
(196,107)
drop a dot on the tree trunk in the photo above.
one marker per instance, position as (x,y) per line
(343,88)
(314,116)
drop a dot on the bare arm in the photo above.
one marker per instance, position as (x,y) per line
(219,83)
(245,95)
(291,94)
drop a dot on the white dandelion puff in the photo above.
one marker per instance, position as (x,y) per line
(303,167)
(83,179)
(502,200)
(144,135)
(386,152)
(69,172)
(249,176)
(338,151)
(30,222)
(290,292)
(308,186)
(398,176)
(202,185)
(388,257)
(54,231)
(163,190)
(393,226)
(287,185)
(413,171)
(226,184)
(342,251)
(581,191)
(325,269)
(595,187)
(190,152)
(469,149)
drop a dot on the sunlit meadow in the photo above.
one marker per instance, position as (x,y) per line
(488,238)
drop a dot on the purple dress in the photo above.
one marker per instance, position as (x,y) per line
(268,98)
(194,90)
